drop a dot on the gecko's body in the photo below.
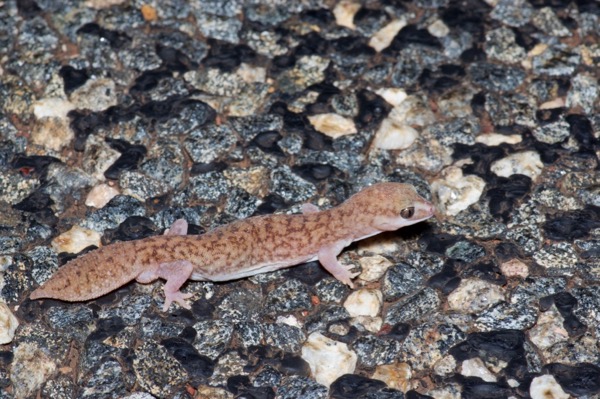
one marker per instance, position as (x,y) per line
(240,249)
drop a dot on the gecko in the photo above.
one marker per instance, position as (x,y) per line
(240,249)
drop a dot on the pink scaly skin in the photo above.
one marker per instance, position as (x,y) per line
(240,249)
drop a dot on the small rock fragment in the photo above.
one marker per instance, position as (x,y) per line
(76,240)
(514,268)
(493,139)
(383,38)
(100,195)
(373,267)
(548,329)
(396,376)
(30,368)
(546,387)
(8,324)
(364,302)
(475,367)
(526,163)
(455,192)
(474,295)
(328,359)
(333,125)
(344,13)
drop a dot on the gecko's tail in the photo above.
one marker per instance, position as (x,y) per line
(91,275)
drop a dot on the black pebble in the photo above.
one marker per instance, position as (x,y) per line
(202,168)
(251,392)
(504,195)
(445,279)
(581,379)
(415,395)
(238,383)
(504,344)
(352,386)
(132,228)
(267,141)
(34,202)
(185,353)
(131,156)
(293,365)
(410,34)
(116,39)
(73,78)
(148,80)
(85,123)
(227,56)
(270,204)
(438,242)
(314,173)
(506,251)
(203,310)
(107,328)
(398,332)
(486,271)
(33,164)
(581,129)
(28,8)
(481,156)
(371,108)
(309,273)
(174,60)
(476,388)
(572,224)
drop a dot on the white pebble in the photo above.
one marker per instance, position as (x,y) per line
(438,29)
(364,302)
(373,267)
(475,367)
(548,330)
(546,387)
(333,125)
(455,192)
(100,195)
(344,13)
(8,324)
(474,296)
(328,359)
(76,240)
(372,324)
(394,136)
(492,139)
(526,163)
(514,268)
(383,38)
(392,95)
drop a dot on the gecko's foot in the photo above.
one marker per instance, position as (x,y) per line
(178,297)
(345,275)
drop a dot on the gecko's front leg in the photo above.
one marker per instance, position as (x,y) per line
(176,274)
(328,258)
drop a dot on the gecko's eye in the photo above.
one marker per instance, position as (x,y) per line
(407,213)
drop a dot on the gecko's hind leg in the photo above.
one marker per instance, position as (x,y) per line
(175,273)
(308,208)
(178,228)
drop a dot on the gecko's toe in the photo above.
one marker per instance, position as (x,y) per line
(177,297)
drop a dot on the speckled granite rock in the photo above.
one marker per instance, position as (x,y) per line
(118,117)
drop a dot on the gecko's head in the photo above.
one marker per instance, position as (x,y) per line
(394,205)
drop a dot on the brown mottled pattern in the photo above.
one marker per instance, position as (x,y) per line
(236,247)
